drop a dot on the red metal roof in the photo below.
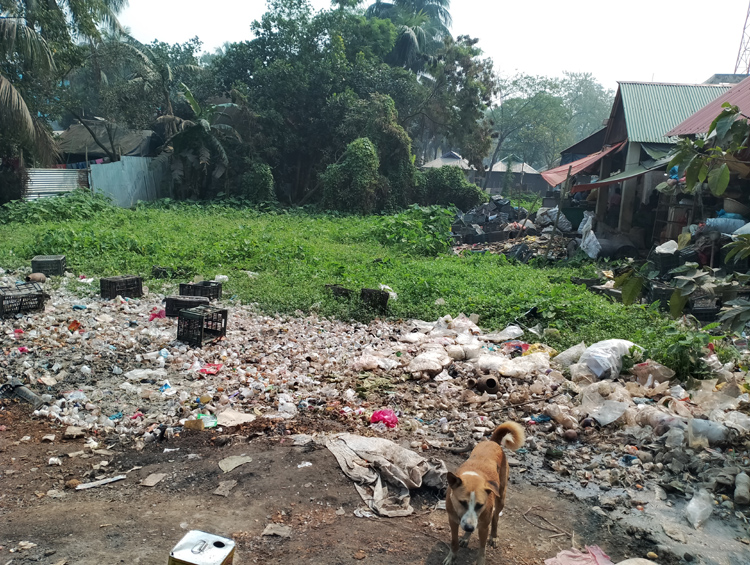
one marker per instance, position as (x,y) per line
(560,174)
(738,95)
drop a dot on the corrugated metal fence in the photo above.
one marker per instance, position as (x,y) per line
(132,179)
(51,182)
(126,181)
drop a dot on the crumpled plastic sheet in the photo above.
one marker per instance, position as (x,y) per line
(375,464)
(593,556)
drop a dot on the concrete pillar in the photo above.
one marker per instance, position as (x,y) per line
(605,168)
(627,207)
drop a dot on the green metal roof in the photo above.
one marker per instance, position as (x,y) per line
(652,109)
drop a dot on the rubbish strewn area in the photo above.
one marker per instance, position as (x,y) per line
(114,396)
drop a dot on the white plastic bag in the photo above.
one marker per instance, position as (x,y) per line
(569,356)
(668,248)
(589,243)
(699,509)
(587,222)
(563,224)
(604,358)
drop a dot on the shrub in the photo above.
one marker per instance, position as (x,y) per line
(353,185)
(77,205)
(418,230)
(258,185)
(448,186)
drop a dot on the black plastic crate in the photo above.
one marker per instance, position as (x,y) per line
(202,324)
(705,308)
(127,286)
(177,303)
(688,255)
(27,297)
(50,265)
(209,289)
(661,292)
(665,262)
(375,299)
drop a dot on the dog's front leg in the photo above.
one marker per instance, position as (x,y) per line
(454,544)
(483,532)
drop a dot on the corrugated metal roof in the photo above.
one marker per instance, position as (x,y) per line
(449,159)
(652,109)
(518,167)
(738,95)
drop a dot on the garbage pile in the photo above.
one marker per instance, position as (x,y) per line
(499,228)
(115,367)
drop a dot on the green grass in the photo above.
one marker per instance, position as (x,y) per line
(296,254)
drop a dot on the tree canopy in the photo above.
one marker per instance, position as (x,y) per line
(300,106)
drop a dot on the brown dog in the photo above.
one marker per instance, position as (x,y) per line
(476,493)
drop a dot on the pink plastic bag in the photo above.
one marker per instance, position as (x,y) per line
(593,556)
(154,315)
(388,417)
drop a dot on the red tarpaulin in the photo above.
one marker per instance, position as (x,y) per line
(560,174)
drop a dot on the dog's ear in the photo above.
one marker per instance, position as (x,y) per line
(454,481)
(493,487)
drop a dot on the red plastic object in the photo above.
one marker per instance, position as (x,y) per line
(211,369)
(155,315)
(23,349)
(388,417)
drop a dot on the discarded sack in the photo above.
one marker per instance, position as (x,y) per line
(604,358)
(593,556)
(374,464)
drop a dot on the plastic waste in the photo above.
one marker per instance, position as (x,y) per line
(387,417)
(604,358)
(549,218)
(211,369)
(668,248)
(742,489)
(610,411)
(221,278)
(488,384)
(724,225)
(569,356)
(565,419)
(587,222)
(589,243)
(738,421)
(509,333)
(699,509)
(650,373)
(678,393)
(675,438)
(702,433)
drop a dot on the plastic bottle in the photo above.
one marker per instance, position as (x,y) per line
(563,418)
(742,489)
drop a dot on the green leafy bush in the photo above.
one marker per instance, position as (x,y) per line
(258,184)
(353,184)
(76,205)
(418,230)
(448,186)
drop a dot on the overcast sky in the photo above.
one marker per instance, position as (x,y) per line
(683,41)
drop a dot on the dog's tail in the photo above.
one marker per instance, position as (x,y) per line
(509,435)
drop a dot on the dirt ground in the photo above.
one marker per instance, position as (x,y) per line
(126,522)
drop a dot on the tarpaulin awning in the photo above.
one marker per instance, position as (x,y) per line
(560,174)
(632,173)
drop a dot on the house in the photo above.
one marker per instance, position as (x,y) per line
(700,122)
(524,177)
(453,159)
(78,146)
(583,148)
(634,151)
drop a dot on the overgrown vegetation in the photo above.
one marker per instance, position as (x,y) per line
(296,254)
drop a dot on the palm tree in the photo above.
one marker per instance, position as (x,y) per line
(197,144)
(17,40)
(422,26)
(26,26)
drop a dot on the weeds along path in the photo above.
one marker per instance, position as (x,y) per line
(296,254)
